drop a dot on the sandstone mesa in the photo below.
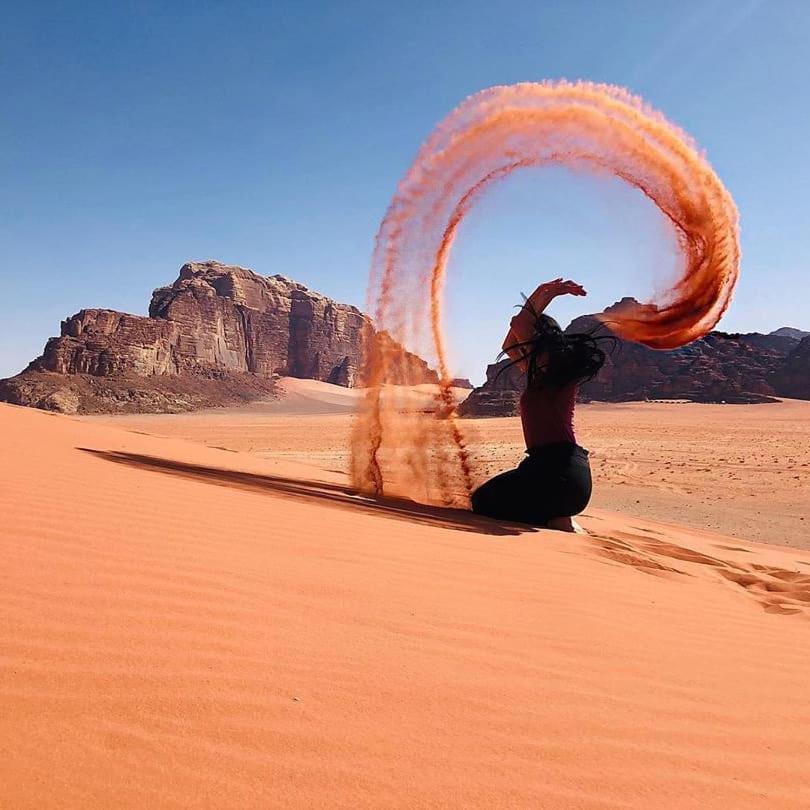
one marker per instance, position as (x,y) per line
(721,367)
(218,335)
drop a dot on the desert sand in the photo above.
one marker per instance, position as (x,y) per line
(186,626)
(742,470)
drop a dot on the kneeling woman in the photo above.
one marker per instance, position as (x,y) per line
(554,483)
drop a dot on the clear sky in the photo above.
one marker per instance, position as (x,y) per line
(137,135)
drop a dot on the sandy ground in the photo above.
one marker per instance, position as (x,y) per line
(742,470)
(184,626)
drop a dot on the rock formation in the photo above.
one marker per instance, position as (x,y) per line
(721,367)
(792,378)
(790,332)
(217,335)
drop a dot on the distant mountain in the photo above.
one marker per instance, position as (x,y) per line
(790,332)
(782,341)
(721,367)
(781,344)
(792,378)
(218,335)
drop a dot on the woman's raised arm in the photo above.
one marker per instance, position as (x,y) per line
(521,327)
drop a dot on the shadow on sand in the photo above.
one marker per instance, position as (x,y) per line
(336,495)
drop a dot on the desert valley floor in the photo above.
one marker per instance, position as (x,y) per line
(198,612)
(742,470)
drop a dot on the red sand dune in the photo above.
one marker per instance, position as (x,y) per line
(190,627)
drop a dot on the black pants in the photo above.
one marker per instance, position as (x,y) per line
(554,481)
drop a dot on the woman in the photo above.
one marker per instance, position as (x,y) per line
(554,483)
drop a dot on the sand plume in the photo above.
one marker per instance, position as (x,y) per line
(598,128)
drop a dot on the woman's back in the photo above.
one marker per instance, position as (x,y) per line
(547,415)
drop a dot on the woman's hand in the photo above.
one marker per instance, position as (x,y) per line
(546,293)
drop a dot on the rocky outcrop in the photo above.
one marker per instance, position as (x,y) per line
(217,328)
(782,344)
(720,367)
(104,343)
(132,393)
(792,378)
(498,396)
(790,332)
(230,317)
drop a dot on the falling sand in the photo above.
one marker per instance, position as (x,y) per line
(599,128)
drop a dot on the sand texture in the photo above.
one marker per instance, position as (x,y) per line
(741,470)
(184,626)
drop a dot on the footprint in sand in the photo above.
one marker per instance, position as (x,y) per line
(776,589)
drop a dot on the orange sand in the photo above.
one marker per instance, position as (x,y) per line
(190,627)
(743,470)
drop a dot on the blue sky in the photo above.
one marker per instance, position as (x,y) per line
(138,135)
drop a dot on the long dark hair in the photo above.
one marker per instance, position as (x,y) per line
(555,359)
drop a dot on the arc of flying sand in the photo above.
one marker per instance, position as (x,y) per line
(501,130)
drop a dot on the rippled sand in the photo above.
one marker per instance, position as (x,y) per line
(186,626)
